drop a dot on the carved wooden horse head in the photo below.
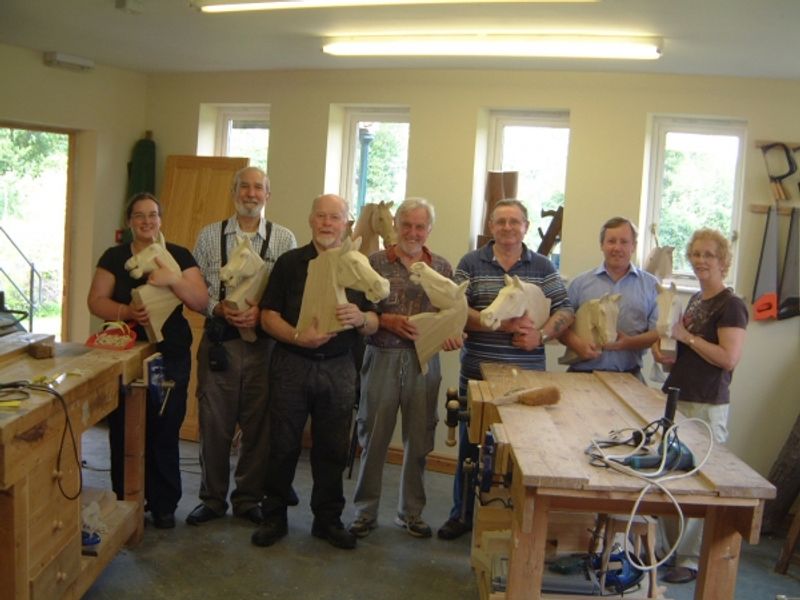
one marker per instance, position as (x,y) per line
(375,221)
(328,276)
(243,263)
(354,271)
(441,291)
(144,261)
(659,261)
(517,298)
(669,309)
(596,322)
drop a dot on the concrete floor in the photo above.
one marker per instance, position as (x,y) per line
(217,560)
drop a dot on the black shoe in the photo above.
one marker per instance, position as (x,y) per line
(253,515)
(292,500)
(452,529)
(270,531)
(165,521)
(201,514)
(335,534)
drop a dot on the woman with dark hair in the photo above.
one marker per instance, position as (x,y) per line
(710,340)
(110,299)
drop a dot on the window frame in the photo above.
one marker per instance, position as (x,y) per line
(660,126)
(228,113)
(352,116)
(500,119)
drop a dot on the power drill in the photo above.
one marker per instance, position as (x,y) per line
(679,457)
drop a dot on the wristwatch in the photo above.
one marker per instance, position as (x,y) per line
(543,336)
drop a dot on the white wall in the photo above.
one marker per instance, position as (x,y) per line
(608,118)
(106,109)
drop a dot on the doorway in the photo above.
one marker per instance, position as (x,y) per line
(34,180)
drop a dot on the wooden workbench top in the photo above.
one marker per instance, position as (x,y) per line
(549,442)
(87,379)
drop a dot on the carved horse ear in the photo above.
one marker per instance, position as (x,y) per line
(462,287)
(350,244)
(614,297)
(507,279)
(517,281)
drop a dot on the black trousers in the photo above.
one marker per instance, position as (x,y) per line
(300,387)
(162,486)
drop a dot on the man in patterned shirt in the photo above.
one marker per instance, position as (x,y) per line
(517,341)
(391,377)
(237,394)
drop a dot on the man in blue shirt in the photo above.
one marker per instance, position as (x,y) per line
(638,311)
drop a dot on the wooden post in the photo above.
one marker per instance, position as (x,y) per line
(135,416)
(500,185)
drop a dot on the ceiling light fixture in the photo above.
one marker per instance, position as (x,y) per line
(548,46)
(214,6)
(67,61)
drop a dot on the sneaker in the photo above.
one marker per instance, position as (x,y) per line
(452,529)
(414,525)
(362,526)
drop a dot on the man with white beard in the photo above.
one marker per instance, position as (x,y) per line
(232,373)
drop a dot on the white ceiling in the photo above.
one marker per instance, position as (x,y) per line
(752,38)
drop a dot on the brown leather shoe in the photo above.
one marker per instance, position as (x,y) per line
(679,575)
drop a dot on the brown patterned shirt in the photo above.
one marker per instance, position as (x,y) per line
(405,297)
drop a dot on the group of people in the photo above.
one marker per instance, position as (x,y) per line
(271,386)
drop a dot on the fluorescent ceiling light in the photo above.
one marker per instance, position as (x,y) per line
(550,46)
(209,6)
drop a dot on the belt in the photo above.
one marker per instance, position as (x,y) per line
(315,356)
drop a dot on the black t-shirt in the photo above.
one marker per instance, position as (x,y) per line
(177,334)
(284,295)
(698,379)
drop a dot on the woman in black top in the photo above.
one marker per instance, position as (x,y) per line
(110,299)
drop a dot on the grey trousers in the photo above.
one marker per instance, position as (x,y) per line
(391,379)
(237,395)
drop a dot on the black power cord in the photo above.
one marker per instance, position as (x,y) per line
(27,385)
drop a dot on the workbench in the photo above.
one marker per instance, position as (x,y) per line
(551,472)
(41,553)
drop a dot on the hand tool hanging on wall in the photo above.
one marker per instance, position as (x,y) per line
(789,297)
(553,234)
(788,168)
(765,292)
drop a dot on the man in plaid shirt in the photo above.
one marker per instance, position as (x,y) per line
(232,385)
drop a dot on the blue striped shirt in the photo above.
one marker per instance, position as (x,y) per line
(486,278)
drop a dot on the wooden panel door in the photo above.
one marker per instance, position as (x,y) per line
(196,192)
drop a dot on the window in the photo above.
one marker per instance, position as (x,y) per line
(695,180)
(374,155)
(536,145)
(243,130)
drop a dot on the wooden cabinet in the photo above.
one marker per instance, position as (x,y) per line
(40,527)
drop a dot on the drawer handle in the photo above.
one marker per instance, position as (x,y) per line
(58,475)
(57,525)
(61,576)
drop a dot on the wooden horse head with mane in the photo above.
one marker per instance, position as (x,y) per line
(659,261)
(435,327)
(245,277)
(159,301)
(328,276)
(375,221)
(517,298)
(669,313)
(595,322)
